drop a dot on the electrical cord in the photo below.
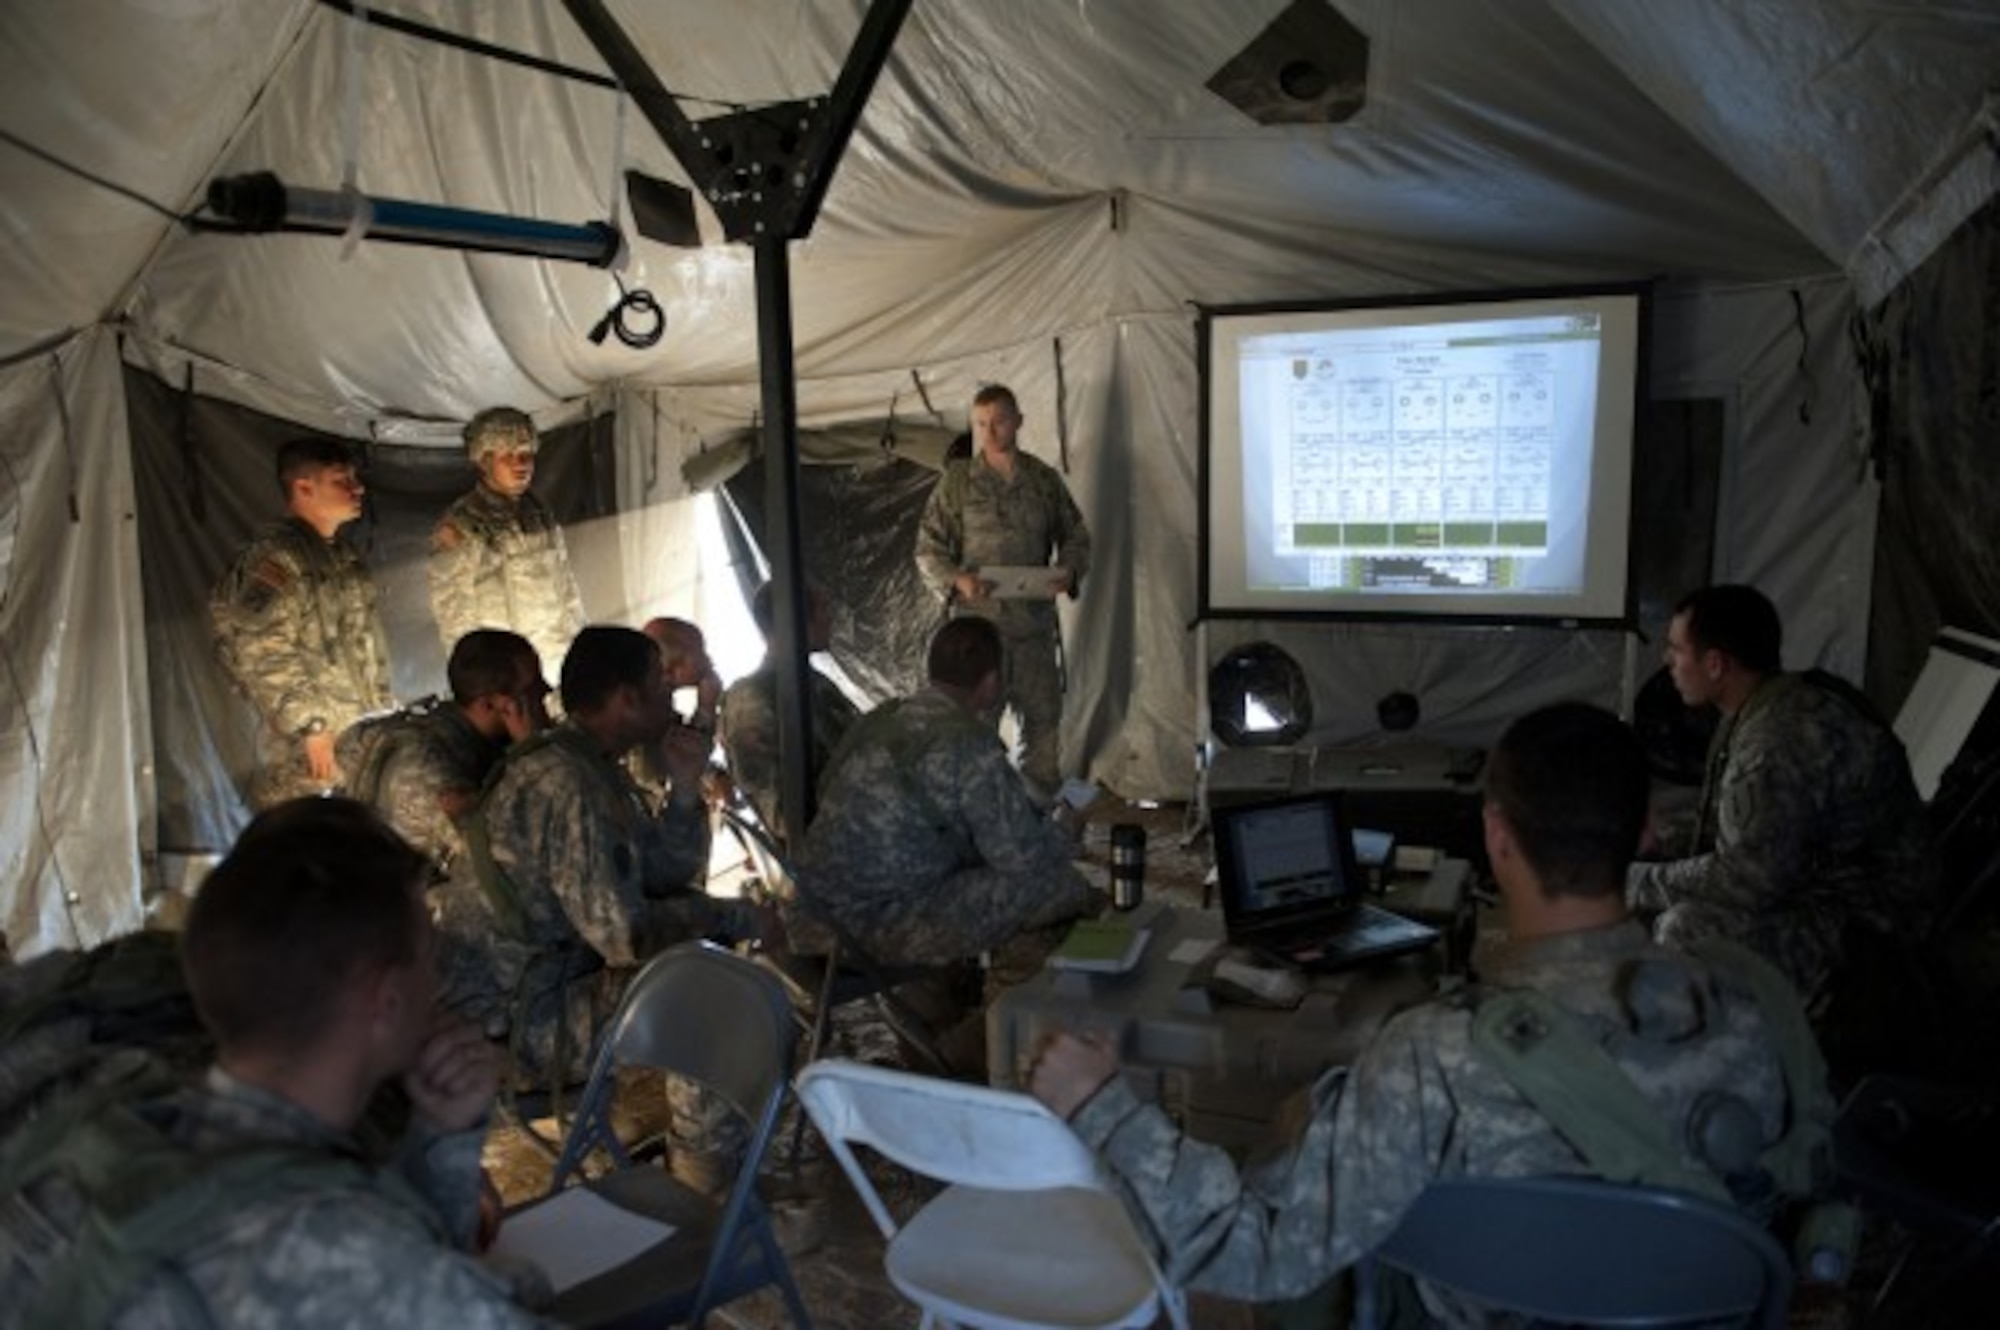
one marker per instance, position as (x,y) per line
(636,317)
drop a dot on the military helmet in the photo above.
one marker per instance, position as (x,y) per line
(499,429)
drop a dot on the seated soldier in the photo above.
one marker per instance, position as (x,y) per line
(684,658)
(573,879)
(1811,840)
(927,848)
(310,958)
(423,770)
(748,720)
(1433,1096)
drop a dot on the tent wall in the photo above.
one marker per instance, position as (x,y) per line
(1934,352)
(76,809)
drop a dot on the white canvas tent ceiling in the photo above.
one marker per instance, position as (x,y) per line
(1733,149)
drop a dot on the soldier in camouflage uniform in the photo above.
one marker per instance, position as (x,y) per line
(1811,835)
(1002,507)
(684,658)
(1567,794)
(497,555)
(584,880)
(747,722)
(309,955)
(926,848)
(296,628)
(436,762)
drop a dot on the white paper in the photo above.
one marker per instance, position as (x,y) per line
(577,1235)
(1020,581)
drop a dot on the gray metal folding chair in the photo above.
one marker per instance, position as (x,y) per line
(703,1013)
(1579,1251)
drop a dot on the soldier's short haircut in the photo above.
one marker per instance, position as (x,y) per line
(307,457)
(963,652)
(1573,784)
(315,893)
(498,429)
(1738,620)
(997,392)
(485,661)
(603,659)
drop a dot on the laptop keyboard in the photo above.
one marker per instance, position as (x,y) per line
(1367,930)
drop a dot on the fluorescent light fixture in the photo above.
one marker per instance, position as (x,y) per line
(261,202)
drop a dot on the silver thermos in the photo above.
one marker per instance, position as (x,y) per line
(1128,865)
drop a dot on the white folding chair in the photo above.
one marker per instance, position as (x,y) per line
(1027,1236)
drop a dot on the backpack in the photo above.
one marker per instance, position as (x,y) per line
(1548,1057)
(65,1013)
(366,747)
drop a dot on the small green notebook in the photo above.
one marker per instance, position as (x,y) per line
(1105,946)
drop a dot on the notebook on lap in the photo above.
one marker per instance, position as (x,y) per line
(1290,885)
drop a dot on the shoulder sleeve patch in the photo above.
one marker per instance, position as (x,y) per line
(447,536)
(271,579)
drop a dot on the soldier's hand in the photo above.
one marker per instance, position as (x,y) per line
(455,1076)
(319,757)
(971,586)
(683,754)
(1069,1069)
(707,693)
(1061,582)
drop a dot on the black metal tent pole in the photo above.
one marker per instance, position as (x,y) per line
(765,172)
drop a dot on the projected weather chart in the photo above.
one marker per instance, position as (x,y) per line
(1421,458)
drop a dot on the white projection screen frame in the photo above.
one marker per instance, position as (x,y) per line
(1465,457)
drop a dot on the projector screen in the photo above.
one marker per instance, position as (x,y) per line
(1467,457)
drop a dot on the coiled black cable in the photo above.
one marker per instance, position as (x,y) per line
(635,316)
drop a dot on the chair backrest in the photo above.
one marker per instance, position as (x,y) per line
(1584,1251)
(948,1130)
(710,1015)
(701,1012)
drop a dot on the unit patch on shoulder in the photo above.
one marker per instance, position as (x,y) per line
(270,580)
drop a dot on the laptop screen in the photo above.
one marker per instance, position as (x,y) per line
(1283,860)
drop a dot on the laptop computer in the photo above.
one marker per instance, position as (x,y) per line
(1291,887)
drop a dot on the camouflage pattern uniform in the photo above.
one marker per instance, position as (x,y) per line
(296,628)
(602,883)
(976,517)
(926,848)
(1810,823)
(440,756)
(331,1256)
(1422,1103)
(747,725)
(501,563)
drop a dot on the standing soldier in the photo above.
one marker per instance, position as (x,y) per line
(296,626)
(497,556)
(1002,507)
